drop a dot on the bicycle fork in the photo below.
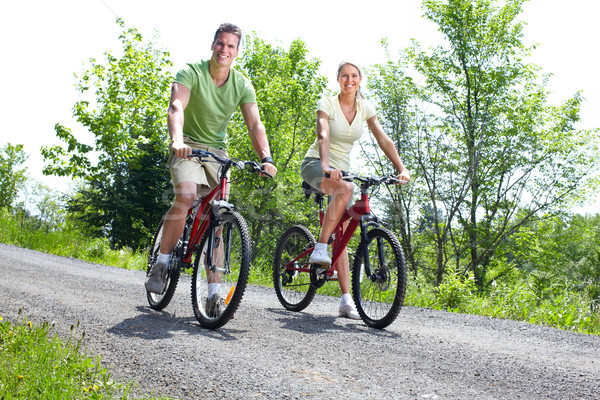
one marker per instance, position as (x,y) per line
(365,222)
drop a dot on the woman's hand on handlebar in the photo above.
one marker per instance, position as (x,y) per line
(332,173)
(404,177)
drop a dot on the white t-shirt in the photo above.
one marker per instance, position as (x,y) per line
(342,135)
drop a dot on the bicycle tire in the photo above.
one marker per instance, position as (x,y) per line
(235,237)
(379,297)
(294,289)
(160,301)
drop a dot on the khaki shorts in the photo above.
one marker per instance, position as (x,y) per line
(204,173)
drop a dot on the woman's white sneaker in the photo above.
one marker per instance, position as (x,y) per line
(320,256)
(348,311)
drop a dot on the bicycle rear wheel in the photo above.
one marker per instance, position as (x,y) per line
(228,275)
(160,301)
(293,288)
(379,295)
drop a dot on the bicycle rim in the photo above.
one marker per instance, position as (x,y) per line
(380,295)
(293,288)
(160,301)
(231,265)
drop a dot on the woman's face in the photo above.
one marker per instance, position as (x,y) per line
(349,79)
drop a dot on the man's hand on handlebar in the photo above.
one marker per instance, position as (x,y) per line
(181,150)
(269,168)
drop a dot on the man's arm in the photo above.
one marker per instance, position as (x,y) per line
(258,135)
(180,96)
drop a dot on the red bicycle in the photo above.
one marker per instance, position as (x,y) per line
(216,244)
(378,272)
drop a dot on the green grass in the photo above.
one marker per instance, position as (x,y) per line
(561,307)
(35,363)
(558,306)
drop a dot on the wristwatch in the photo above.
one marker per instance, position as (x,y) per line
(268,159)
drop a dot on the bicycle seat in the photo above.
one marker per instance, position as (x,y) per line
(308,190)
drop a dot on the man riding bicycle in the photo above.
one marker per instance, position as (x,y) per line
(204,96)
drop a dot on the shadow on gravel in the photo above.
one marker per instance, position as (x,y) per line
(155,325)
(318,324)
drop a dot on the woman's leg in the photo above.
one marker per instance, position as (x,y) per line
(341,191)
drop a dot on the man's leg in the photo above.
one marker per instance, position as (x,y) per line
(185,194)
(173,225)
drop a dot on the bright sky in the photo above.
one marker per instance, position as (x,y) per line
(44,43)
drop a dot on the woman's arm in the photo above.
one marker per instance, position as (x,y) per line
(323,138)
(386,144)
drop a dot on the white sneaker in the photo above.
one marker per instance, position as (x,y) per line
(320,256)
(157,278)
(348,311)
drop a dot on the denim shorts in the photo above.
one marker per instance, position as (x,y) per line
(311,173)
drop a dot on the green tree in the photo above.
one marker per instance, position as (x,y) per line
(287,89)
(124,103)
(391,90)
(502,156)
(12,174)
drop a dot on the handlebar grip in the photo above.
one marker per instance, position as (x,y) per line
(266,173)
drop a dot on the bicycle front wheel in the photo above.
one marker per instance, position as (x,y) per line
(160,301)
(217,289)
(379,278)
(293,287)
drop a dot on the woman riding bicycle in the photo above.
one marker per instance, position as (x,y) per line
(340,124)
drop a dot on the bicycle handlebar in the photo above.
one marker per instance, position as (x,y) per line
(370,180)
(239,164)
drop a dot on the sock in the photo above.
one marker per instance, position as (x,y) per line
(345,300)
(213,288)
(163,258)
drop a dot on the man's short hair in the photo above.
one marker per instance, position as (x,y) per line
(229,28)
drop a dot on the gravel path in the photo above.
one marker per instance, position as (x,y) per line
(267,352)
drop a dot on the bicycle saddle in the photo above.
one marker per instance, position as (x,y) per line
(308,190)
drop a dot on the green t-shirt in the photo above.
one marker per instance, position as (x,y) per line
(210,107)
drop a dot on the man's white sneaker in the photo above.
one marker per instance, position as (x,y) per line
(348,311)
(157,278)
(320,256)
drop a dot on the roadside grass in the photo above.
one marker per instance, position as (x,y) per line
(518,299)
(35,363)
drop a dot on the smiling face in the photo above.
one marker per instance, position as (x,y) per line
(225,48)
(349,78)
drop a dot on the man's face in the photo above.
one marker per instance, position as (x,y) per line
(225,48)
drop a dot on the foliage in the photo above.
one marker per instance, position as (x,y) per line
(287,89)
(12,176)
(34,365)
(392,91)
(490,153)
(40,207)
(560,251)
(123,103)
(455,290)
(64,239)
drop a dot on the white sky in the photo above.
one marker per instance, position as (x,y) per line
(44,43)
